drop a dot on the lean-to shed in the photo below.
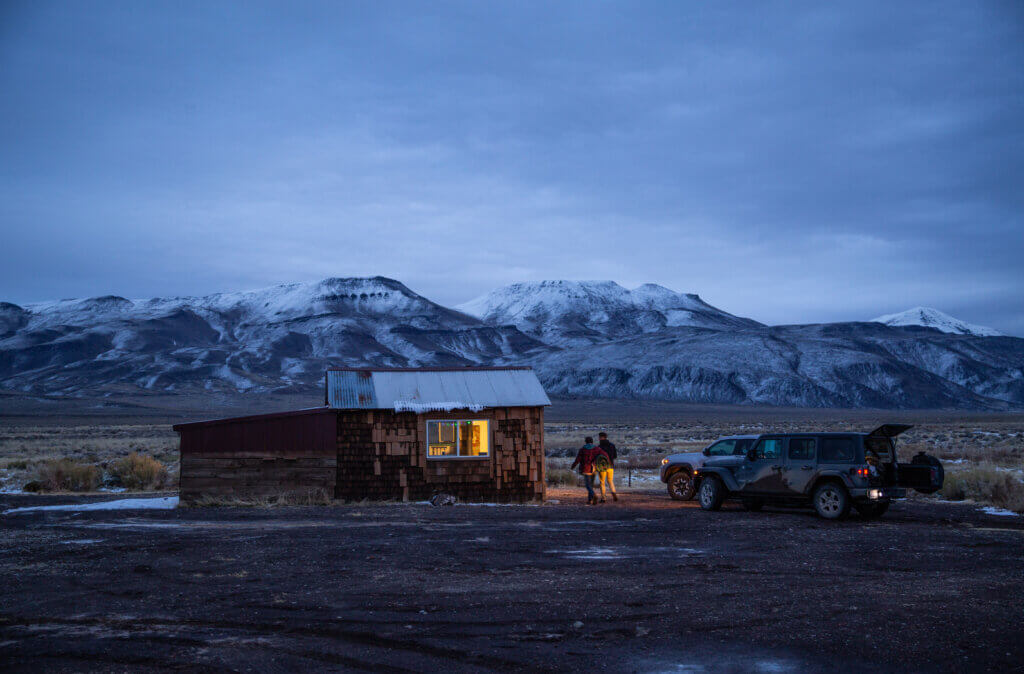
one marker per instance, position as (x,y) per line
(477,433)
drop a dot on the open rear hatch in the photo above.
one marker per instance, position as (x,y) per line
(924,472)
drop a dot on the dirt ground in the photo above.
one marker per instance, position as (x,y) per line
(642,585)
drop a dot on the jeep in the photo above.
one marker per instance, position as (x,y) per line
(833,472)
(677,470)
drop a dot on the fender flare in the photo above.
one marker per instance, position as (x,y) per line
(827,475)
(674,468)
(727,478)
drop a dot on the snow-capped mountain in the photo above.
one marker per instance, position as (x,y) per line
(933,318)
(587,339)
(277,337)
(587,312)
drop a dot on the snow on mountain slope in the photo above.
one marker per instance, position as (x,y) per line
(586,312)
(270,338)
(933,318)
(585,338)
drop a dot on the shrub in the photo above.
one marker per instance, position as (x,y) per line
(561,477)
(140,472)
(986,484)
(67,475)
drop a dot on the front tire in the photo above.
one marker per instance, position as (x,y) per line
(832,501)
(871,511)
(712,493)
(681,486)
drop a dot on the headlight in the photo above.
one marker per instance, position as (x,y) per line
(664,461)
(874,493)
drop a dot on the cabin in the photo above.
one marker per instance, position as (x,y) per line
(383,434)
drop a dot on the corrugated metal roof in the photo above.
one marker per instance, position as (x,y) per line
(421,390)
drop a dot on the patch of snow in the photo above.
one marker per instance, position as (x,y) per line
(83,541)
(158,503)
(991,510)
(419,408)
(933,318)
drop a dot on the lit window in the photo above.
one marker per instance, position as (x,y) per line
(458,438)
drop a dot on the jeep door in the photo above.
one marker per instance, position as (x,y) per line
(801,464)
(763,474)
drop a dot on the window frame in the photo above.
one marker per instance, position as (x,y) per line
(458,440)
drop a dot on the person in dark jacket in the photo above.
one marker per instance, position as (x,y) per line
(608,474)
(585,460)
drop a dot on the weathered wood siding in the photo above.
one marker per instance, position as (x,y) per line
(383,455)
(294,453)
(357,454)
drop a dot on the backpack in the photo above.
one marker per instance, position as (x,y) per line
(601,463)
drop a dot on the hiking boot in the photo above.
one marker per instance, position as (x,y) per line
(615,497)
(602,500)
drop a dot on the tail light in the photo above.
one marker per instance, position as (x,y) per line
(860,472)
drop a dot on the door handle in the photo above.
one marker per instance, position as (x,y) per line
(806,467)
(776,467)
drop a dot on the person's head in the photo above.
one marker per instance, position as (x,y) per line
(588,440)
(602,436)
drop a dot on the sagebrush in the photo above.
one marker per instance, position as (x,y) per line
(67,475)
(140,472)
(986,484)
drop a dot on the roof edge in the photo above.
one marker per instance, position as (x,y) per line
(252,417)
(471,368)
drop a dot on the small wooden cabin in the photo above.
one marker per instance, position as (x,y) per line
(406,434)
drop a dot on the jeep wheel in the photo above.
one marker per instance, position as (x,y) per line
(681,486)
(753,504)
(712,493)
(870,511)
(831,501)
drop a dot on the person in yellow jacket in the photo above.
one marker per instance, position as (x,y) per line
(608,473)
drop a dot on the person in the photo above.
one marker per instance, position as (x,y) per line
(585,460)
(607,474)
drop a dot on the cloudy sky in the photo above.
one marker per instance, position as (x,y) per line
(790,162)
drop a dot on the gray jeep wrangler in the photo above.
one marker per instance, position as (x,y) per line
(677,470)
(833,472)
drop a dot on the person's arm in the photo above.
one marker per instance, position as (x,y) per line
(579,457)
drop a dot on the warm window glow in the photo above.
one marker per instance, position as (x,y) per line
(458,438)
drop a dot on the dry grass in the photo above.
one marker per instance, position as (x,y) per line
(986,483)
(138,472)
(65,475)
(561,477)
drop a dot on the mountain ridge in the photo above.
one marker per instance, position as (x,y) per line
(585,339)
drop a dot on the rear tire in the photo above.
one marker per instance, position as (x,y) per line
(870,511)
(753,504)
(832,501)
(681,486)
(712,493)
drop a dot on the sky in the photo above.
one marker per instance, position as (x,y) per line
(791,162)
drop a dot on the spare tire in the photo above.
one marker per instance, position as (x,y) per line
(922,459)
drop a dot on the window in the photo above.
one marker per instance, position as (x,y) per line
(801,449)
(457,438)
(769,448)
(837,450)
(742,447)
(723,448)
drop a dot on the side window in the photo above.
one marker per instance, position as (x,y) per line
(742,447)
(769,448)
(801,449)
(837,450)
(723,448)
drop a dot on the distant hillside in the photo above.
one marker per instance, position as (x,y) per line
(933,318)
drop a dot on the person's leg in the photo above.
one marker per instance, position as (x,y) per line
(600,482)
(610,473)
(588,480)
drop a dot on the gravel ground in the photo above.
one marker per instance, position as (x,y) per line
(642,585)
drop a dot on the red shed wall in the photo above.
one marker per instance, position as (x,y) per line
(292,453)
